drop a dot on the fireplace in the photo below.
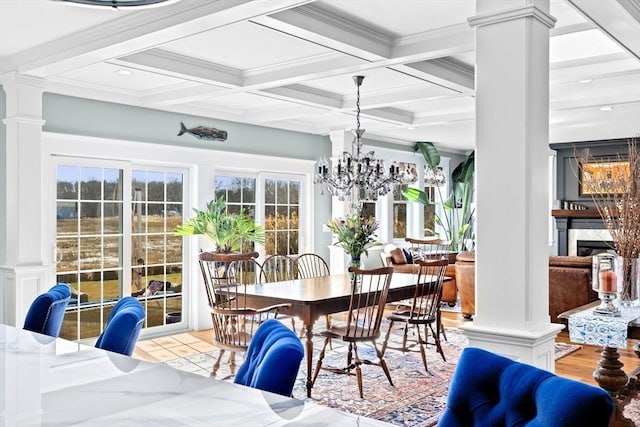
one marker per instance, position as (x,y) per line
(581,225)
(593,247)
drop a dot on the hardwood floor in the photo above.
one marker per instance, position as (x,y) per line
(578,365)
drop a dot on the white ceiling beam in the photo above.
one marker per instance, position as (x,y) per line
(306,96)
(183,67)
(389,115)
(130,34)
(447,72)
(327,29)
(619,19)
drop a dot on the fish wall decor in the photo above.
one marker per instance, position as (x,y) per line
(205,133)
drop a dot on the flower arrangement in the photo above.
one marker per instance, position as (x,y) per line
(619,208)
(354,233)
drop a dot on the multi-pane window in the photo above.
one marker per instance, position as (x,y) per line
(240,194)
(89,237)
(156,252)
(281,219)
(94,220)
(429,212)
(400,213)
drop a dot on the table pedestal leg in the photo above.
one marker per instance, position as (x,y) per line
(610,376)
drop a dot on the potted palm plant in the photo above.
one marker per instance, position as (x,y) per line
(227,230)
(457,222)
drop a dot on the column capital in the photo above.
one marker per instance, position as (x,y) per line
(496,17)
(21,81)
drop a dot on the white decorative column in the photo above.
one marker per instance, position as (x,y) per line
(26,269)
(512,122)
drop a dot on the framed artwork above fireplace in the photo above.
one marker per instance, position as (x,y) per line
(599,176)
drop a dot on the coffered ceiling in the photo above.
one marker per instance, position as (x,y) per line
(288,63)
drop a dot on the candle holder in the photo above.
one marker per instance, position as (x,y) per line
(605,282)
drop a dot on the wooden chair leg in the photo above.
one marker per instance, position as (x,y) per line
(216,365)
(436,338)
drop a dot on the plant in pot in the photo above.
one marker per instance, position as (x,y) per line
(230,232)
(457,222)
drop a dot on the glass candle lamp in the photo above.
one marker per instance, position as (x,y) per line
(605,282)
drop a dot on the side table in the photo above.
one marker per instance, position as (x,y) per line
(610,333)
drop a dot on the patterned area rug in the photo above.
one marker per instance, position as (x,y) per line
(418,398)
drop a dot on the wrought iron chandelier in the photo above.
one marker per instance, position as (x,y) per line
(357,177)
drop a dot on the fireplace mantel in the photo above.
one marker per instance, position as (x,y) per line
(575,213)
(568,219)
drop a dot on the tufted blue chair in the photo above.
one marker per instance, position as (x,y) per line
(492,390)
(123,327)
(47,311)
(273,359)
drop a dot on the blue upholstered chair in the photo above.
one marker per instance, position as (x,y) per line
(47,311)
(123,327)
(492,390)
(272,360)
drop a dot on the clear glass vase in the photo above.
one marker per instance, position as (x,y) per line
(355,262)
(628,281)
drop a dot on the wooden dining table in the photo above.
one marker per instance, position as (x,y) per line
(318,296)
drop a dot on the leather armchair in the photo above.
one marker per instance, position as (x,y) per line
(465,268)
(569,284)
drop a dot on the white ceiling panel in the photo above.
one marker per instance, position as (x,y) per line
(245,46)
(109,75)
(402,18)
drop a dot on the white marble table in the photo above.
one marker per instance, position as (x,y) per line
(53,382)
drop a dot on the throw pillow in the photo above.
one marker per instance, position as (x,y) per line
(407,256)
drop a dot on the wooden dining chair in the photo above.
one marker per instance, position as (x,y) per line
(311,265)
(234,324)
(369,290)
(277,268)
(434,249)
(423,310)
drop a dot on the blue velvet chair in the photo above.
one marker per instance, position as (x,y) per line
(123,327)
(492,390)
(272,360)
(47,311)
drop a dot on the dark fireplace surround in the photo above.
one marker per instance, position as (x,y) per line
(568,191)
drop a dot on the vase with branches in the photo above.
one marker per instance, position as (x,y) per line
(616,196)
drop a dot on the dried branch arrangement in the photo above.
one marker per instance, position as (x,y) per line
(617,198)
(620,206)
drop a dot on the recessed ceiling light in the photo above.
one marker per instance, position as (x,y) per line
(606,108)
(124,72)
(411,128)
(585,81)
